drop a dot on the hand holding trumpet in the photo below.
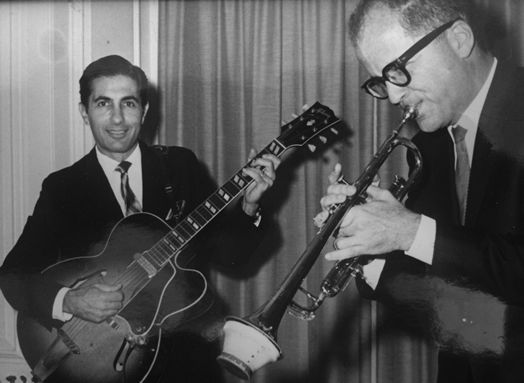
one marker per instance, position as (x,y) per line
(379,226)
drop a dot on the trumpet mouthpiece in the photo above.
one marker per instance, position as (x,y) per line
(410,113)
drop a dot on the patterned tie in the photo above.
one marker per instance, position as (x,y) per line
(132,204)
(461,170)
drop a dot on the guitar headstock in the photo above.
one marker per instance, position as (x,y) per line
(308,125)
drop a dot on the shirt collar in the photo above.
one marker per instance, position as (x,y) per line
(471,116)
(109,164)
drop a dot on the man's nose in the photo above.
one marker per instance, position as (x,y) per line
(395,92)
(117,116)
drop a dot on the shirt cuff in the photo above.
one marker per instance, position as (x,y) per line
(257,218)
(423,246)
(422,249)
(371,272)
(58,306)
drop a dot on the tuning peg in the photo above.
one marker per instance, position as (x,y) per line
(305,107)
(312,148)
(323,139)
(334,131)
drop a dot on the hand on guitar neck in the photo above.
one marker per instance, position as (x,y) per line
(262,170)
(95,302)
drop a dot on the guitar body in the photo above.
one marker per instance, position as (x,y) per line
(97,352)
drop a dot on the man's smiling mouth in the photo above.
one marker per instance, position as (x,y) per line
(117,133)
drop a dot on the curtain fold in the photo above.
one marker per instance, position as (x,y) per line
(230,72)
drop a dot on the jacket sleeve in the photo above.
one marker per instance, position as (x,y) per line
(235,237)
(490,262)
(230,237)
(21,281)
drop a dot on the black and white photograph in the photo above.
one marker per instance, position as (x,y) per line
(264,191)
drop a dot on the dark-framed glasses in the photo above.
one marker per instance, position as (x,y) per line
(396,72)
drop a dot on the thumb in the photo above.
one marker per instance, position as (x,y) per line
(335,174)
(376,193)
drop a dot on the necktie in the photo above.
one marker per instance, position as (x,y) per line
(461,170)
(132,204)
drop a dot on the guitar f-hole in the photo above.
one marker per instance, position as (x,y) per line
(121,357)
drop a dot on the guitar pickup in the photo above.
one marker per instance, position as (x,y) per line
(147,266)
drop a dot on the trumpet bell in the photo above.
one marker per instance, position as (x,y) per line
(246,348)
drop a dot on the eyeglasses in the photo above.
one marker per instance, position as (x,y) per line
(396,72)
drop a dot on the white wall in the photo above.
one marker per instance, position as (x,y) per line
(44,46)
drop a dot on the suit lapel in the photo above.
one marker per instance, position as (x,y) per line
(97,194)
(154,195)
(434,194)
(490,126)
(481,169)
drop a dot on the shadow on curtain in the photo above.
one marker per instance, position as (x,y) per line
(230,73)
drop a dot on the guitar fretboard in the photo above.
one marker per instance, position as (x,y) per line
(189,227)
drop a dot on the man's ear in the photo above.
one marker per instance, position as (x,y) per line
(461,38)
(83,112)
(146,108)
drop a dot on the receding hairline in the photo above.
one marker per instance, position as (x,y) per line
(357,28)
(416,17)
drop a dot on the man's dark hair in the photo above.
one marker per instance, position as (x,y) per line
(110,66)
(421,16)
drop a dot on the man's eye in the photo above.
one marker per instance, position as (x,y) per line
(102,103)
(130,104)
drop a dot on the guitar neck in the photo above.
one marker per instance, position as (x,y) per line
(190,226)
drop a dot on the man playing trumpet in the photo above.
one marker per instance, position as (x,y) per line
(456,249)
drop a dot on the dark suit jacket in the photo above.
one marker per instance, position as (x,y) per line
(471,298)
(77,209)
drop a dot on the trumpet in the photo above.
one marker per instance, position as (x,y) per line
(251,343)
